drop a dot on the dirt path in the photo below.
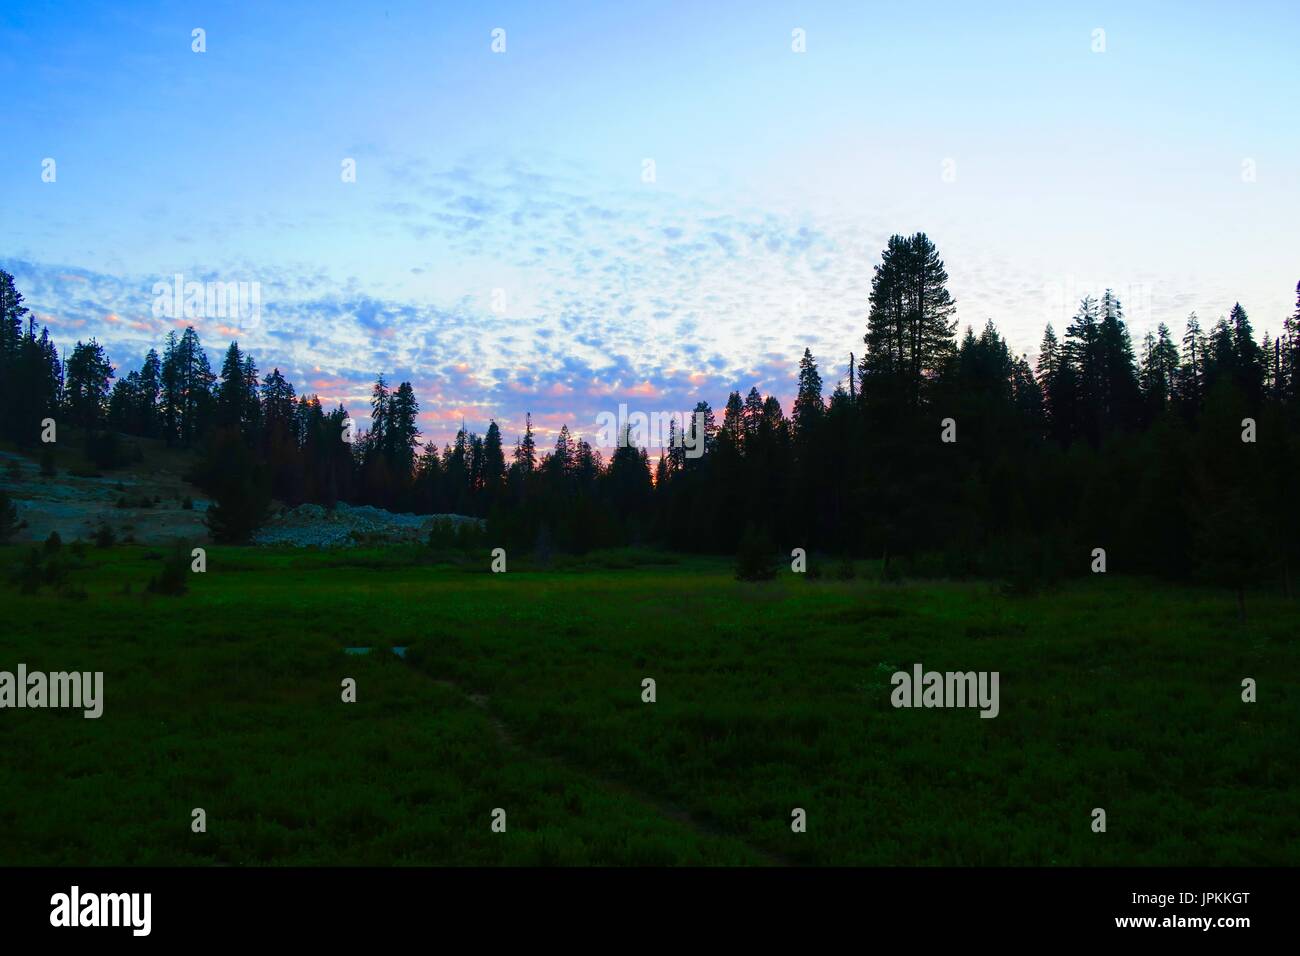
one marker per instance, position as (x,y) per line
(662,807)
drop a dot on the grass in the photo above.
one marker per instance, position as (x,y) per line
(523,691)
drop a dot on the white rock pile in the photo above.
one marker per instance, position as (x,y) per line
(310,525)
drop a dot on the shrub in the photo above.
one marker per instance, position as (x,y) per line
(105,537)
(173,578)
(8,518)
(756,559)
(105,449)
(73,592)
(1030,565)
(543,548)
(38,569)
(28,575)
(446,534)
(240,488)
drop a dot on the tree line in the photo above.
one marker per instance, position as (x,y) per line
(934,452)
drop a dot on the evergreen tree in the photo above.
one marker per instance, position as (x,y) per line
(1248,359)
(87,385)
(559,463)
(1290,361)
(1191,377)
(702,413)
(376,437)
(733,421)
(475,463)
(1059,385)
(525,457)
(910,326)
(231,397)
(808,406)
(1120,395)
(250,417)
(494,461)
(240,489)
(278,408)
(1159,373)
(753,413)
(402,432)
(148,394)
(12,311)
(124,404)
(170,394)
(187,381)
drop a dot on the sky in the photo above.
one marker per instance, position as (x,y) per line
(562,208)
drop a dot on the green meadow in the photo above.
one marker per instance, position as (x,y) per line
(523,691)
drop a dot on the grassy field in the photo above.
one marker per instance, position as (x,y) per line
(523,691)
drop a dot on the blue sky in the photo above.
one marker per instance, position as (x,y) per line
(778,178)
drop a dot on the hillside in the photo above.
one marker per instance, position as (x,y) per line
(149,501)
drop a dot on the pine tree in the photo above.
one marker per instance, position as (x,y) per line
(525,457)
(1249,359)
(753,414)
(87,387)
(560,462)
(250,416)
(170,395)
(148,395)
(494,462)
(1191,377)
(376,439)
(1080,353)
(910,326)
(1120,393)
(402,432)
(278,408)
(808,407)
(702,412)
(1059,385)
(240,488)
(187,381)
(429,480)
(1290,349)
(733,421)
(1159,372)
(124,403)
(12,311)
(475,463)
(198,386)
(231,394)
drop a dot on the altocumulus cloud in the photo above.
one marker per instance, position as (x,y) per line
(549,294)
